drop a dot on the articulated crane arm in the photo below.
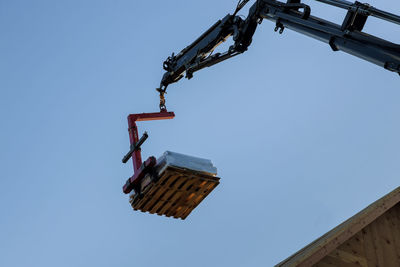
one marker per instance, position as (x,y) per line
(294,15)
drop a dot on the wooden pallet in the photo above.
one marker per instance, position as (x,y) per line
(175,193)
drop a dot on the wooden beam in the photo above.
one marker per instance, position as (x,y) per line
(349,257)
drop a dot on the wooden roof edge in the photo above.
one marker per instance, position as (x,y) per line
(316,250)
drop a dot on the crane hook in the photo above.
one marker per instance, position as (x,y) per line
(162,98)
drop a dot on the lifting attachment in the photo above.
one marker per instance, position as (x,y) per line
(140,169)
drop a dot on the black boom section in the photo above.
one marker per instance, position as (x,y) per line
(347,37)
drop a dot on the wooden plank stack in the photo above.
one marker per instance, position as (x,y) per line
(174,191)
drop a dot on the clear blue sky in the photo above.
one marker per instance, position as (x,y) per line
(302,137)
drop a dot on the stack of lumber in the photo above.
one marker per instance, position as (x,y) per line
(177,186)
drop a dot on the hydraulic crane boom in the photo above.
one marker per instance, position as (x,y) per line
(294,15)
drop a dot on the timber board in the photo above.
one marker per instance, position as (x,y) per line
(174,193)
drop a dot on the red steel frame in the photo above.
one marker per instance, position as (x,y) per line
(140,169)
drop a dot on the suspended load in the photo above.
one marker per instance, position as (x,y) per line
(172,185)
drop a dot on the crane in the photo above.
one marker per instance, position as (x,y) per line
(295,15)
(174,184)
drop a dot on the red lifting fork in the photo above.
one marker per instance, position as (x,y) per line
(140,169)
